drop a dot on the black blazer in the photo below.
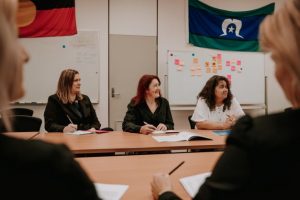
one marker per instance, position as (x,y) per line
(56,115)
(39,170)
(136,115)
(261,161)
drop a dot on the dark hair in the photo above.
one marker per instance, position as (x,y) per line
(65,84)
(208,92)
(143,85)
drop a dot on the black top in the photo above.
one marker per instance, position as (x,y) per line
(261,161)
(82,113)
(137,115)
(39,170)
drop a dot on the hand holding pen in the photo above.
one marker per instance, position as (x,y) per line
(71,127)
(147,128)
(162,183)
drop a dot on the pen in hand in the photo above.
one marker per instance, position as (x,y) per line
(150,125)
(74,126)
(69,119)
(173,170)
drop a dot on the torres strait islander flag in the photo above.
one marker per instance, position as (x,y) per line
(214,28)
(43,18)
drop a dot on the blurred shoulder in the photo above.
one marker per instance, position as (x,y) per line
(31,152)
(274,129)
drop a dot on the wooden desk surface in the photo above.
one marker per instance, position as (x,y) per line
(136,171)
(22,135)
(118,141)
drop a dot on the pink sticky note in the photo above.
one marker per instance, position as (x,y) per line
(229,77)
(219,56)
(232,68)
(238,62)
(177,62)
(227,63)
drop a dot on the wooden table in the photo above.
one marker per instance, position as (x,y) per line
(118,141)
(136,171)
(22,135)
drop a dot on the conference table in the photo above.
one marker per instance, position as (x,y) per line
(118,141)
(136,171)
(22,135)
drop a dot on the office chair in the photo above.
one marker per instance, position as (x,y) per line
(192,123)
(23,123)
(19,111)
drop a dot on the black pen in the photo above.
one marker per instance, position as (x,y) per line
(173,170)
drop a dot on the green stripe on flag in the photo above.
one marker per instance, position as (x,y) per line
(223,44)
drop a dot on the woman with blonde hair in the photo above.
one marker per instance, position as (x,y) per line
(68,109)
(31,169)
(261,159)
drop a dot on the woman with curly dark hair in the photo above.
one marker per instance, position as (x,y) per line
(216,107)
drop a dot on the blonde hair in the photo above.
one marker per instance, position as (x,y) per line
(280,34)
(65,84)
(8,54)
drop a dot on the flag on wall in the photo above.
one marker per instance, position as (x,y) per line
(43,18)
(214,28)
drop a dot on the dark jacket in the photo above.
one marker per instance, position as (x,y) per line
(136,115)
(56,114)
(39,170)
(261,161)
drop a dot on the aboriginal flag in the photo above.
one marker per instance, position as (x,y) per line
(44,18)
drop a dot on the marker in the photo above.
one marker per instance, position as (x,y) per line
(173,170)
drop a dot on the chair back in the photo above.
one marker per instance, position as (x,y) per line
(192,123)
(24,123)
(19,111)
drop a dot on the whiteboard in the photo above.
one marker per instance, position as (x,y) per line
(50,55)
(188,72)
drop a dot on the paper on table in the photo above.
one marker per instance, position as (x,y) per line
(163,132)
(80,132)
(192,183)
(182,136)
(110,191)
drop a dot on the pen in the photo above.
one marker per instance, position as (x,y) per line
(70,119)
(173,170)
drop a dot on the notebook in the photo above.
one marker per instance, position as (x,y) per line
(181,136)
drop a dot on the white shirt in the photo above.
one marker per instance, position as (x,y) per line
(202,112)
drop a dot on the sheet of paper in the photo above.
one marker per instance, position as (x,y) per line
(192,183)
(110,191)
(79,132)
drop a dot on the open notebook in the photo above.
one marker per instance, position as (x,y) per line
(181,136)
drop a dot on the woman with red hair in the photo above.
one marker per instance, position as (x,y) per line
(148,111)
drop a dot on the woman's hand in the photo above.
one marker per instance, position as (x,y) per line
(229,122)
(161,127)
(147,129)
(70,128)
(160,183)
